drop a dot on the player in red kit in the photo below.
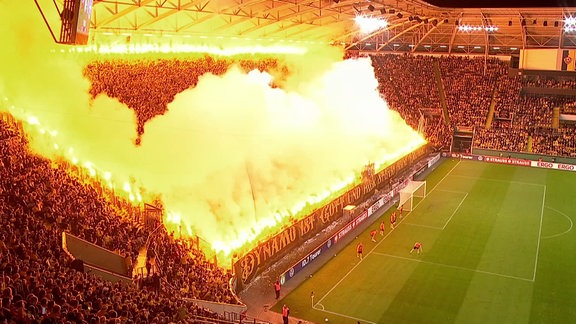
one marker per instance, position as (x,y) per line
(373,235)
(359,249)
(382,228)
(393,220)
(417,247)
(401,210)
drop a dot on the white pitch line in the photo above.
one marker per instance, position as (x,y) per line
(452,191)
(455,267)
(539,234)
(425,226)
(566,231)
(343,315)
(454,212)
(382,240)
(450,218)
(499,180)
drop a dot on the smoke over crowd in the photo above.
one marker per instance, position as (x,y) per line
(232,155)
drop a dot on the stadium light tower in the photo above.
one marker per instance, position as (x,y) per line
(570,24)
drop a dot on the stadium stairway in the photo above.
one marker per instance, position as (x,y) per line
(140,264)
(491,109)
(440,85)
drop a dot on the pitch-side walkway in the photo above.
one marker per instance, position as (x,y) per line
(260,298)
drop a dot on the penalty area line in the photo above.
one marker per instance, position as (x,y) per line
(566,231)
(454,212)
(425,226)
(498,180)
(539,234)
(454,267)
(385,236)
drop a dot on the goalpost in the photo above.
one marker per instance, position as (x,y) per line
(407,194)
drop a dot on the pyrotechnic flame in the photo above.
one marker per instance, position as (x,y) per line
(233,159)
(45,140)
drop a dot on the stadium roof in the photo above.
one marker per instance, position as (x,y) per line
(413,25)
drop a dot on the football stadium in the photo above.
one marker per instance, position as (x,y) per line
(287,161)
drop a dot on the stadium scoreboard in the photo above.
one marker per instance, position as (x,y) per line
(75,18)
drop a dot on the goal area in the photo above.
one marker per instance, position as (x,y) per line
(407,194)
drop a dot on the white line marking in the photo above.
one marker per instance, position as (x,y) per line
(498,180)
(566,231)
(450,218)
(455,210)
(541,211)
(342,315)
(382,240)
(426,226)
(539,234)
(452,191)
(455,267)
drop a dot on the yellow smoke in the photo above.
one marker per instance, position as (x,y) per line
(232,157)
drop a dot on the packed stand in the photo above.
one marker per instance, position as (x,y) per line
(561,141)
(148,86)
(556,82)
(38,201)
(181,265)
(469,84)
(408,85)
(511,120)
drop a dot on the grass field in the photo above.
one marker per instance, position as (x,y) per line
(498,247)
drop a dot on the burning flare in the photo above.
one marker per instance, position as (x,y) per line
(234,159)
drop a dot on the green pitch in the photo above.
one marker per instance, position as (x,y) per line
(498,247)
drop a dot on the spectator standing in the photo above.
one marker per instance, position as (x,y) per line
(285,313)
(277,289)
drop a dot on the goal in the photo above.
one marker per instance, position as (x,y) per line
(407,194)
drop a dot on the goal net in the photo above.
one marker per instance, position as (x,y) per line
(413,189)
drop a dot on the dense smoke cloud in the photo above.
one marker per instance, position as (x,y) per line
(232,155)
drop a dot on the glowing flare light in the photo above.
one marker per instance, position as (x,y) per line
(45,141)
(370,24)
(189,48)
(232,159)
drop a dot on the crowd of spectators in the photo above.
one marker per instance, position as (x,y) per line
(38,201)
(408,85)
(148,86)
(473,86)
(181,265)
(469,84)
(407,82)
(556,82)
